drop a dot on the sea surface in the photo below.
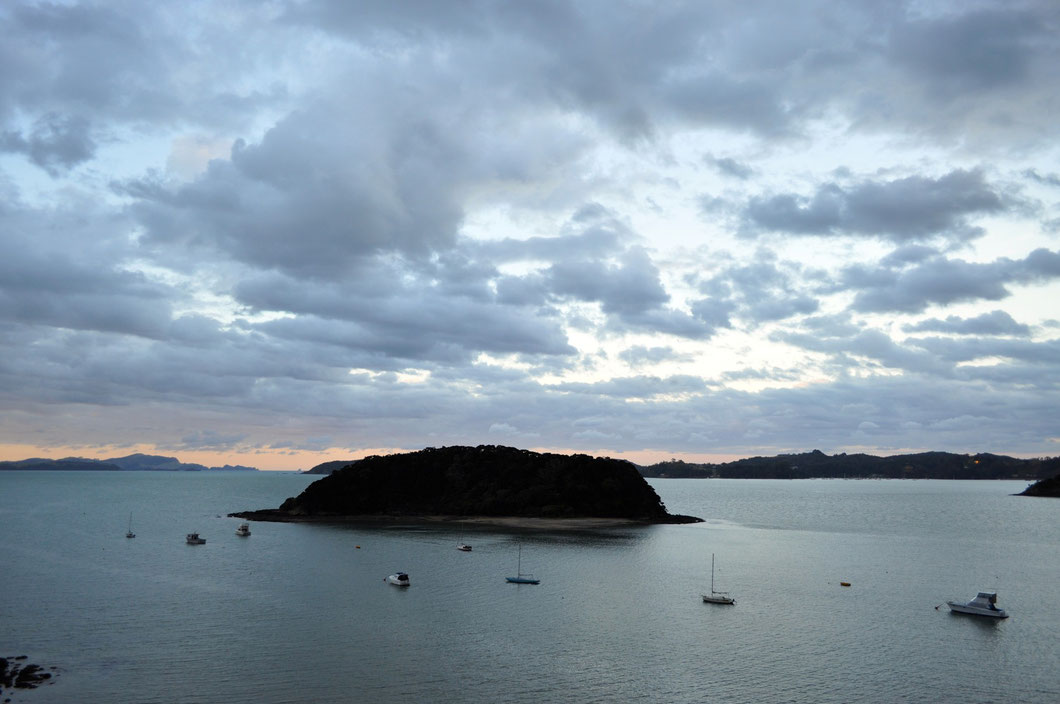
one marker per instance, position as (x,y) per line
(300,613)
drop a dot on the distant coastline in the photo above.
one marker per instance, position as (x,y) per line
(129,463)
(818,465)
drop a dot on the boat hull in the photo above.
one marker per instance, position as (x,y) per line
(398,580)
(959,608)
(724,600)
(522,580)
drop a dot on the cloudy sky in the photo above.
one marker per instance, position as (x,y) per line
(277,233)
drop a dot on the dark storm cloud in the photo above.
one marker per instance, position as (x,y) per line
(996,322)
(911,208)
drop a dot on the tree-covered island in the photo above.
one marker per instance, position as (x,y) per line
(487,481)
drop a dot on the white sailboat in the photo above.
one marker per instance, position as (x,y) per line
(717,597)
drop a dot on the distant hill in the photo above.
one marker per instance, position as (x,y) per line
(67,464)
(817,465)
(329,467)
(1044,487)
(487,480)
(137,462)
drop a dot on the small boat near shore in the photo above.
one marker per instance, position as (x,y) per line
(398,579)
(982,605)
(243,530)
(194,539)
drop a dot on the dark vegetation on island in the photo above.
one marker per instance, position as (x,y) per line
(129,463)
(1043,487)
(15,673)
(483,481)
(817,465)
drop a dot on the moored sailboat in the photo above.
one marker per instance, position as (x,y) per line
(521,578)
(717,597)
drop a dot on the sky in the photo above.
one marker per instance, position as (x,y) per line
(280,233)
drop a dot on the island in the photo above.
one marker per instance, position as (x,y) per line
(487,483)
(1043,487)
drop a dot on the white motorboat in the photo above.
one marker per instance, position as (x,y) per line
(194,539)
(398,579)
(716,597)
(463,547)
(982,605)
(243,530)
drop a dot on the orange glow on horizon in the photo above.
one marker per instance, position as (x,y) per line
(299,460)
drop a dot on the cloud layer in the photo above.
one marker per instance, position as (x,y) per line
(688,229)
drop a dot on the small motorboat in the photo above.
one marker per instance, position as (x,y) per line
(463,547)
(982,605)
(398,579)
(243,530)
(194,539)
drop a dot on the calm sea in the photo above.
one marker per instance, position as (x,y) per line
(300,613)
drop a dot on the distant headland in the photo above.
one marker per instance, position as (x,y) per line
(129,463)
(1044,487)
(484,482)
(818,465)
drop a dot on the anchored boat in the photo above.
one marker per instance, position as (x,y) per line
(982,605)
(521,578)
(398,579)
(717,597)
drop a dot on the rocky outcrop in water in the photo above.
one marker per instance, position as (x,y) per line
(15,673)
(1044,487)
(483,481)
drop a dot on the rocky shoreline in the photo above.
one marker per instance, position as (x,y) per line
(16,673)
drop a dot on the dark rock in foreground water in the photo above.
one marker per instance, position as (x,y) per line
(16,674)
(483,481)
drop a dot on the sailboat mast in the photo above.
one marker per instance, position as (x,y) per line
(711,573)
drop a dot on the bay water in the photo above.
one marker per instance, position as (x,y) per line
(300,612)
